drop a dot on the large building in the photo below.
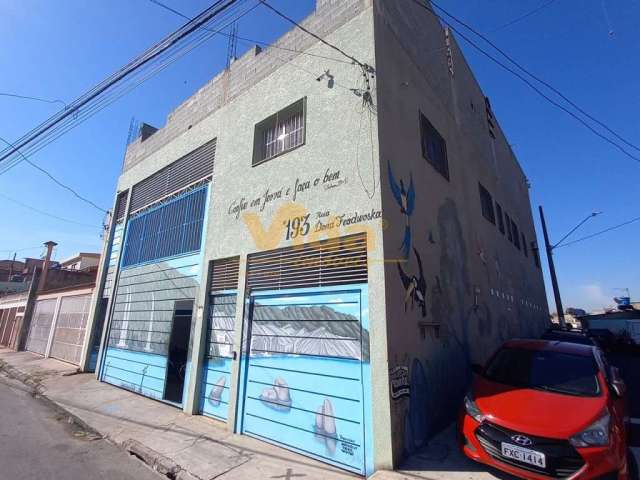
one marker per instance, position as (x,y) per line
(313,250)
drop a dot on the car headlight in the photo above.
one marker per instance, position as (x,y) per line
(597,434)
(472,409)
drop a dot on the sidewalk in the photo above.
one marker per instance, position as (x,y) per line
(180,446)
(188,447)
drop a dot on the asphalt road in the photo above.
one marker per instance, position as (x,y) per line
(36,442)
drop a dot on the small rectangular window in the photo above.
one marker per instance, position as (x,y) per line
(524,245)
(486,202)
(500,218)
(516,234)
(280,133)
(507,220)
(536,253)
(434,148)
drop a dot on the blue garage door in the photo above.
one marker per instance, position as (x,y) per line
(306,378)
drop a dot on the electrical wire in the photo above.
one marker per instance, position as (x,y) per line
(148,56)
(524,16)
(529,83)
(16,250)
(309,32)
(54,179)
(140,76)
(27,97)
(523,69)
(250,40)
(47,214)
(606,230)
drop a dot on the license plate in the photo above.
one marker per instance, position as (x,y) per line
(524,455)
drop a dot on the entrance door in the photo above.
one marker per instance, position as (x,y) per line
(178,350)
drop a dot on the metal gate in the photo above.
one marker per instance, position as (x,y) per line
(7,324)
(305,367)
(70,328)
(40,329)
(218,357)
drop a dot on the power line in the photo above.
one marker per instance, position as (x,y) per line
(606,230)
(526,15)
(16,250)
(112,96)
(527,72)
(309,32)
(138,77)
(42,212)
(140,61)
(251,40)
(27,97)
(528,83)
(58,182)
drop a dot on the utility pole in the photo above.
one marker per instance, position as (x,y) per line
(11,267)
(552,271)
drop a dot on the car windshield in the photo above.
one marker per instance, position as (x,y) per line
(545,370)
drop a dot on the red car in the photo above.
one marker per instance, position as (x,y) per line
(547,409)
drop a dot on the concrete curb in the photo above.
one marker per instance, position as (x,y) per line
(38,391)
(154,460)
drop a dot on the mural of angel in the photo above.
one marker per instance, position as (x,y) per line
(406,199)
(415,287)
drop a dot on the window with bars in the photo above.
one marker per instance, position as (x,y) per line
(500,218)
(516,234)
(280,133)
(486,203)
(434,148)
(173,228)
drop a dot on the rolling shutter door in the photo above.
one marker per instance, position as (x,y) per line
(306,376)
(216,376)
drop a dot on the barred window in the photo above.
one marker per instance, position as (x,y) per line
(500,218)
(486,203)
(280,133)
(173,228)
(434,148)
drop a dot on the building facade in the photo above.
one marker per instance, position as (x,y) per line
(307,234)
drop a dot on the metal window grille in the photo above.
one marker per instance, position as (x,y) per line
(339,261)
(486,202)
(121,206)
(224,274)
(281,132)
(173,228)
(434,148)
(188,170)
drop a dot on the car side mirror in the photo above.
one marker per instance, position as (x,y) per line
(476,368)
(617,383)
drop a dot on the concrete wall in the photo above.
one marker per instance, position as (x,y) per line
(334,177)
(478,288)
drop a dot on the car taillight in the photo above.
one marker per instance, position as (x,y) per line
(472,409)
(595,435)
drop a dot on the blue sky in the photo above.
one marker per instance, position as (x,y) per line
(58,50)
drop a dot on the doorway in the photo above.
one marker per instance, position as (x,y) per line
(178,350)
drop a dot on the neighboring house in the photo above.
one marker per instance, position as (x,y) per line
(9,268)
(81,261)
(289,248)
(12,311)
(50,316)
(619,322)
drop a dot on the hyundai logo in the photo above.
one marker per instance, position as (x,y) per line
(522,440)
